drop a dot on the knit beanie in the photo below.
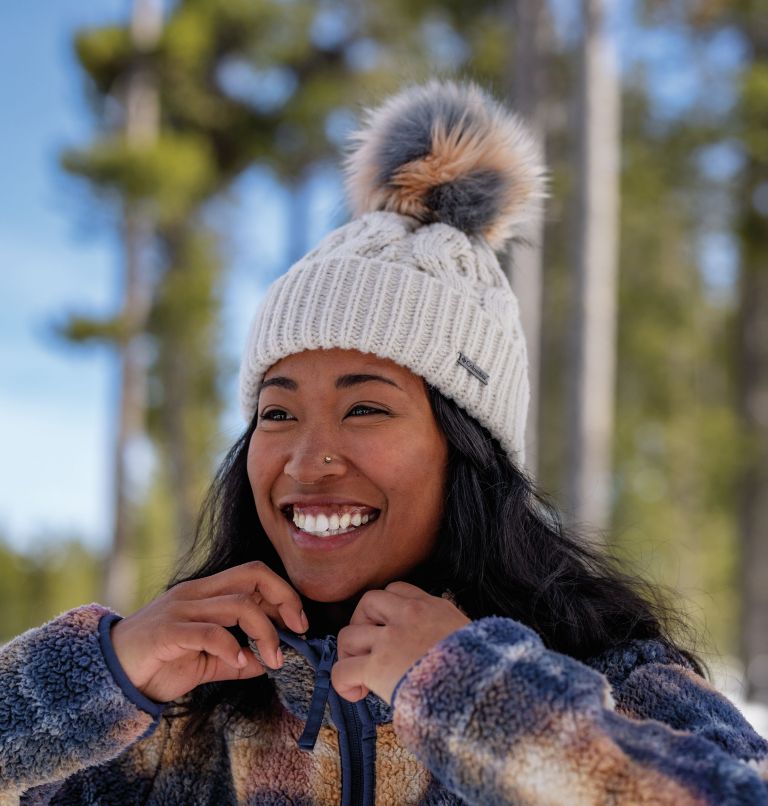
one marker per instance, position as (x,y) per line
(439,177)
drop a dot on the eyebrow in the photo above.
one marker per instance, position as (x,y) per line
(342,382)
(279,380)
(345,381)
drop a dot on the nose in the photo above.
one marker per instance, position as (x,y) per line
(306,463)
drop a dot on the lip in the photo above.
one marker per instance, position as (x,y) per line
(305,540)
(321,500)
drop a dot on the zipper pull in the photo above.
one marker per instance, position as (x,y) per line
(319,696)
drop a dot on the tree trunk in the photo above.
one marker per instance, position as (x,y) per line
(753,365)
(140,128)
(754,505)
(185,325)
(177,398)
(591,394)
(526,87)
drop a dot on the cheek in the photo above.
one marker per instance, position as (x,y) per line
(259,475)
(415,473)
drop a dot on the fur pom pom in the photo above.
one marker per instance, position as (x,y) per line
(448,152)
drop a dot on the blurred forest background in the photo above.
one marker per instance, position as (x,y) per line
(645,300)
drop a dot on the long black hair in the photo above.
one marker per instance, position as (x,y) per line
(502,550)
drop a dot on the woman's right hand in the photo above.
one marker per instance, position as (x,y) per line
(179,640)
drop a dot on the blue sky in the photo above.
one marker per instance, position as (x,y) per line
(53,424)
(58,256)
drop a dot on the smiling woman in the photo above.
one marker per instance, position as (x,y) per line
(374,421)
(380,607)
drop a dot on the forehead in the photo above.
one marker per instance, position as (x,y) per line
(331,363)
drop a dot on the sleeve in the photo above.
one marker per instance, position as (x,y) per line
(65,702)
(498,718)
(651,680)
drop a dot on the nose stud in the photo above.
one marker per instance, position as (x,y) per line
(327,459)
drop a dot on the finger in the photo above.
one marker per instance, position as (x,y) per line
(407,590)
(380,607)
(356,639)
(251,578)
(236,609)
(252,668)
(202,637)
(347,678)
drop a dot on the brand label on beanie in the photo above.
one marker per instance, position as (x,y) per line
(469,364)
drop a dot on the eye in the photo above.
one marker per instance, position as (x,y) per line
(273,415)
(366,409)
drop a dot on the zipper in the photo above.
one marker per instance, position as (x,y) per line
(354,729)
(357,731)
(352,790)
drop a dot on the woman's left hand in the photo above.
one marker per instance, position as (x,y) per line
(388,632)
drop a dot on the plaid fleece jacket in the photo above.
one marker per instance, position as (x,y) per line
(487,716)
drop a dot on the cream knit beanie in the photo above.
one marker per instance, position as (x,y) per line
(440,176)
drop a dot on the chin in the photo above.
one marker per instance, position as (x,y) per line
(326,591)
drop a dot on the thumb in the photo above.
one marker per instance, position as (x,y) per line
(347,677)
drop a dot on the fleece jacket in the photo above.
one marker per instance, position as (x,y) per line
(487,716)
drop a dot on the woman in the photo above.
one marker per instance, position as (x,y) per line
(385,610)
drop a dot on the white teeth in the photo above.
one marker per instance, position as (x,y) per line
(322,525)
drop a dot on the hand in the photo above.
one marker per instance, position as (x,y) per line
(388,632)
(178,641)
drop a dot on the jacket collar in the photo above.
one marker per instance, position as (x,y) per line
(303,683)
(306,667)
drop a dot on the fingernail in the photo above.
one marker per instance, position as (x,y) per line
(304,620)
(279,658)
(241,659)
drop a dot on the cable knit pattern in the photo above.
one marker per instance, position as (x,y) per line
(439,176)
(418,295)
(487,716)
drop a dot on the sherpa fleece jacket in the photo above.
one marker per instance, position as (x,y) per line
(487,716)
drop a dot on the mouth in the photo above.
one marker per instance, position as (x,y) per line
(324,522)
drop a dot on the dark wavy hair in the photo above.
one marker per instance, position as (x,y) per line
(502,550)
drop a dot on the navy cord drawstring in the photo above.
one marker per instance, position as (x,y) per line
(319,697)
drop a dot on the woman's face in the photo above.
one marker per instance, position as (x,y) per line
(374,419)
